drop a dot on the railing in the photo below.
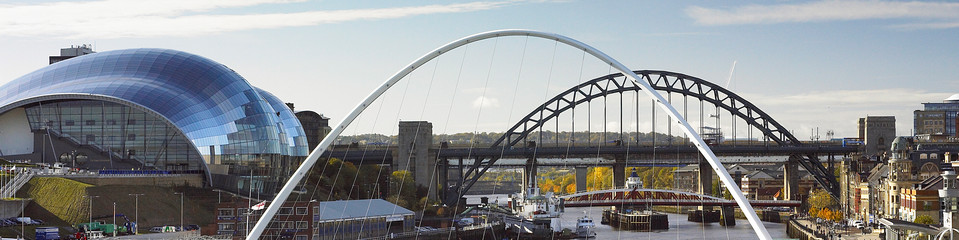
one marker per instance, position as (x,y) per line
(91,144)
(16,183)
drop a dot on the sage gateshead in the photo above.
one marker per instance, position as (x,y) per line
(152,109)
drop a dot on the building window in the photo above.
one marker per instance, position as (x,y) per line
(923,156)
(301,237)
(934,155)
(302,225)
(301,211)
(131,122)
(131,137)
(91,122)
(225,212)
(69,122)
(112,122)
(91,138)
(225,227)
(316,210)
(286,211)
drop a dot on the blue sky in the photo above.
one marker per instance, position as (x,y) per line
(808,64)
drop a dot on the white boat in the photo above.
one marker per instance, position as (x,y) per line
(585,228)
(535,213)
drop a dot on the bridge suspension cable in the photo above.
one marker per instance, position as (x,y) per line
(659,100)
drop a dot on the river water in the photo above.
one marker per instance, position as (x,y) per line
(679,227)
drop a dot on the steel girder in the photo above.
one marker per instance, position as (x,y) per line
(665,81)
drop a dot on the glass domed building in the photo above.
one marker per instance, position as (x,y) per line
(152,109)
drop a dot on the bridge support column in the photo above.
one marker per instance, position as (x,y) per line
(705,181)
(705,177)
(727,216)
(529,175)
(791,181)
(831,163)
(443,176)
(414,140)
(619,172)
(581,175)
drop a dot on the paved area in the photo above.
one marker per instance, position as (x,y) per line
(848,233)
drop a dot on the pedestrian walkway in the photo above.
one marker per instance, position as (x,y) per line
(848,233)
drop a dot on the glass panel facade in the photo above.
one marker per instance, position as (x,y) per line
(159,146)
(131,102)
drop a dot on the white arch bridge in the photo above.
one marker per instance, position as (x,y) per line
(636,80)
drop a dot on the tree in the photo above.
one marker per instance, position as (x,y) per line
(924,219)
(820,199)
(403,189)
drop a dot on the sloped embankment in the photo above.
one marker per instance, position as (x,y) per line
(61,197)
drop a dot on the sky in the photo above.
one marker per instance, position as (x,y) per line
(808,64)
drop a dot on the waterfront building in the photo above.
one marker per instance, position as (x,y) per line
(294,220)
(900,177)
(921,199)
(152,109)
(315,125)
(760,185)
(937,118)
(313,220)
(73,51)
(757,181)
(686,178)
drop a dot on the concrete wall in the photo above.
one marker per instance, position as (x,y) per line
(15,135)
(413,154)
(191,180)
(12,208)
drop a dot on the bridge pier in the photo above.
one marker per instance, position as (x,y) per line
(791,183)
(581,175)
(705,177)
(727,216)
(619,172)
(529,174)
(415,138)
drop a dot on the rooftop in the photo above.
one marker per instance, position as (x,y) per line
(367,208)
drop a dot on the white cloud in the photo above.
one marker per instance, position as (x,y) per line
(862,98)
(150,18)
(839,110)
(830,11)
(485,102)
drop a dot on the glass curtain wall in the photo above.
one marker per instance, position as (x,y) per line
(123,133)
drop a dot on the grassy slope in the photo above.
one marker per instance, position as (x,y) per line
(59,201)
(59,196)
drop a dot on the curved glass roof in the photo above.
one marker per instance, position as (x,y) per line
(295,136)
(210,103)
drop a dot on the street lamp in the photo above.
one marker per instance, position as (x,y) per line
(115,228)
(136,212)
(181,209)
(91,205)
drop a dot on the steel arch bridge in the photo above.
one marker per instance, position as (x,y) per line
(614,64)
(663,81)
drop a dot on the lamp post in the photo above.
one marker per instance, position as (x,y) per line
(115,228)
(136,212)
(91,205)
(181,209)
